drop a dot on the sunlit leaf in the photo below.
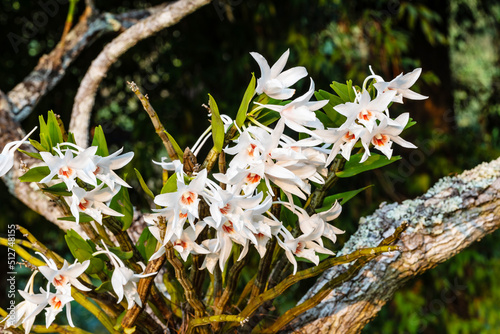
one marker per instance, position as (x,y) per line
(99,140)
(217,125)
(143,184)
(353,167)
(247,97)
(35,174)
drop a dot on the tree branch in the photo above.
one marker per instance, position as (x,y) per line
(23,98)
(454,213)
(52,67)
(85,97)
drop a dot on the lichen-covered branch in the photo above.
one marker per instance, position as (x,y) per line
(85,97)
(17,104)
(454,213)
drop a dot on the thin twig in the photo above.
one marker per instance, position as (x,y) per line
(160,130)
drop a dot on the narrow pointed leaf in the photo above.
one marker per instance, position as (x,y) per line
(59,189)
(176,146)
(345,196)
(35,174)
(55,132)
(146,244)
(121,203)
(217,125)
(82,251)
(143,184)
(32,154)
(170,185)
(99,140)
(247,97)
(37,145)
(353,167)
(342,91)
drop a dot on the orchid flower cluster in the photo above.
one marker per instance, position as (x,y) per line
(74,163)
(62,280)
(273,169)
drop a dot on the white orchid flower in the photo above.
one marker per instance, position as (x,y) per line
(365,111)
(186,244)
(299,114)
(212,258)
(68,167)
(223,202)
(316,226)
(92,202)
(185,200)
(124,280)
(24,311)
(56,302)
(303,246)
(106,165)
(384,135)
(343,140)
(7,155)
(273,82)
(401,84)
(62,279)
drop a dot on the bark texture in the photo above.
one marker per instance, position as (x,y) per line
(454,213)
(18,103)
(85,97)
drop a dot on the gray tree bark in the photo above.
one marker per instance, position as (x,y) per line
(454,213)
(450,216)
(17,104)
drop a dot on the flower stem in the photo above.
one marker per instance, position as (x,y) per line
(160,130)
(92,308)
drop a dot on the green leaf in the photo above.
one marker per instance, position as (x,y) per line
(353,167)
(268,117)
(170,185)
(124,256)
(342,91)
(345,196)
(45,142)
(37,145)
(44,137)
(176,146)
(336,118)
(146,245)
(99,140)
(247,97)
(121,203)
(31,154)
(55,132)
(325,120)
(104,287)
(350,91)
(217,125)
(82,251)
(410,123)
(35,174)
(59,189)
(71,138)
(143,184)
(286,215)
(84,218)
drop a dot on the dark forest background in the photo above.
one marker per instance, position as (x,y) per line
(455,42)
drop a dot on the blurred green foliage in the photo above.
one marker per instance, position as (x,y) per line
(207,52)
